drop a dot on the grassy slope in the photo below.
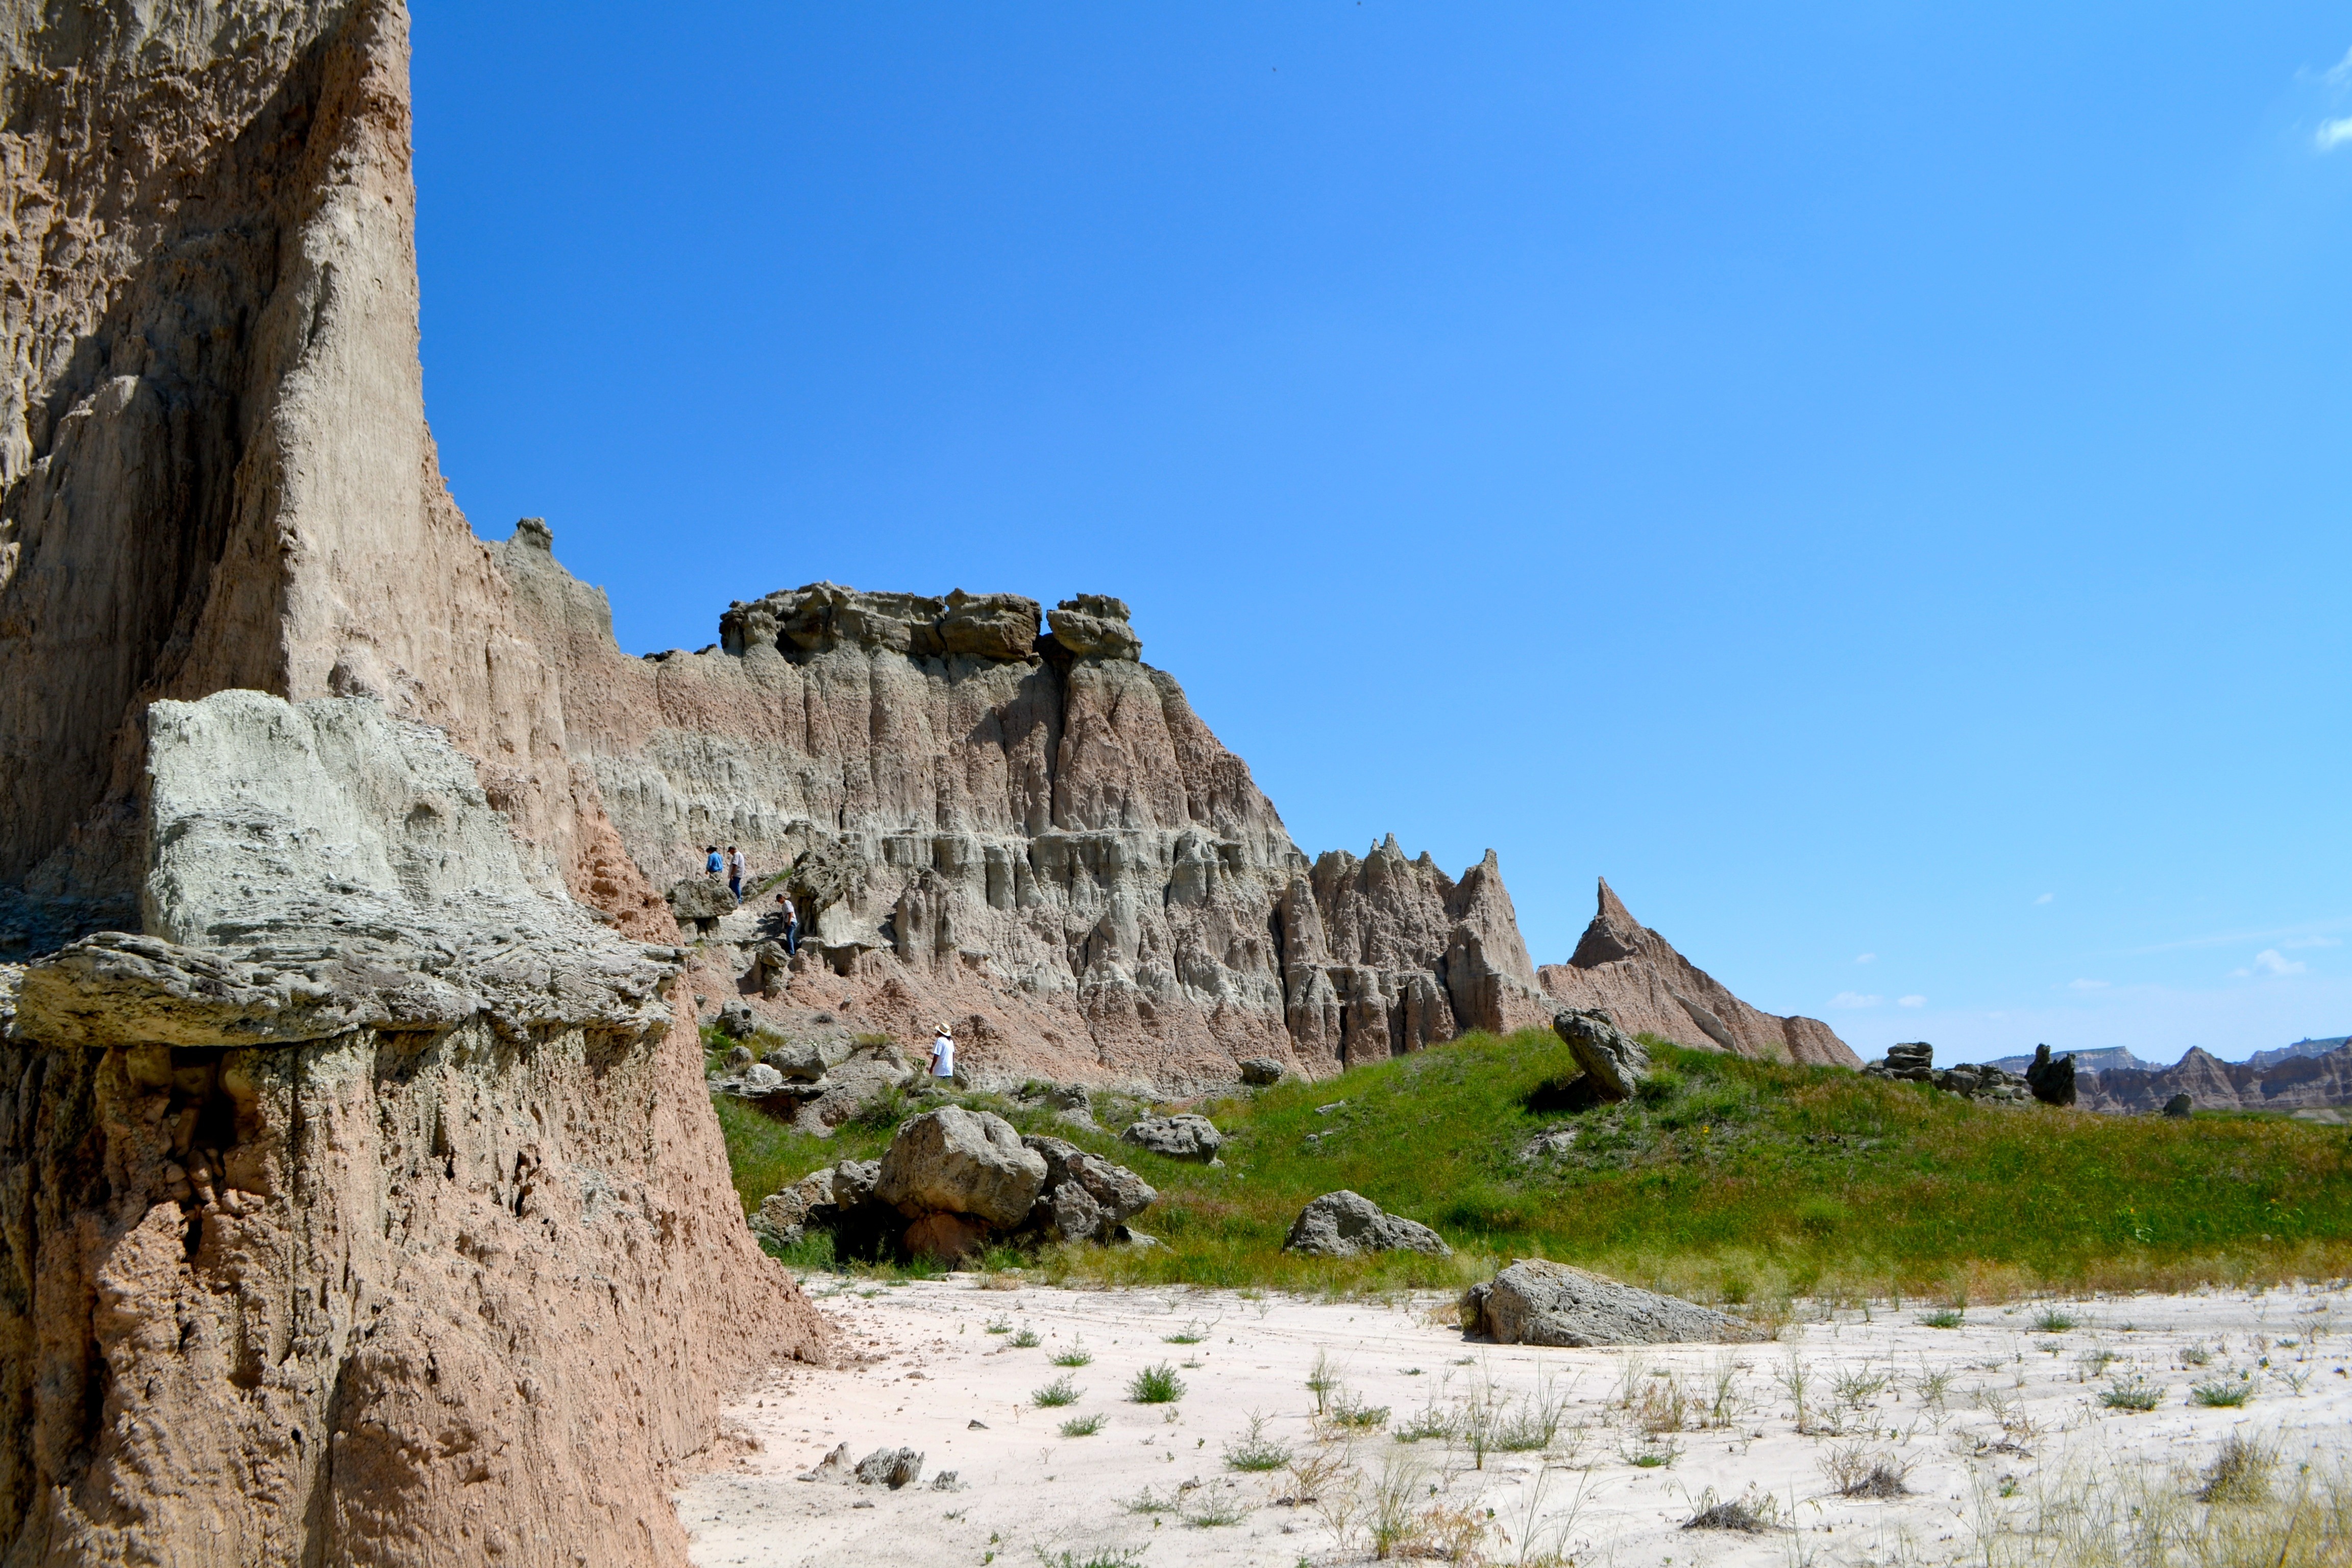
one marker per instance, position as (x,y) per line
(1733,1180)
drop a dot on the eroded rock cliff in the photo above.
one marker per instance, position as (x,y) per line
(214,468)
(366,1207)
(1635,975)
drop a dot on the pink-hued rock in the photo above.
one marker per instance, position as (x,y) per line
(1632,973)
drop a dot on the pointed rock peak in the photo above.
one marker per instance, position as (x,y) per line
(1613,911)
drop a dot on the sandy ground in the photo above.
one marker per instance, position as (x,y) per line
(1992,1411)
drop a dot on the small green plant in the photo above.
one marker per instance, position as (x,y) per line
(2054,1321)
(1857,1388)
(1156,1384)
(1256,1451)
(1389,1519)
(1061,1390)
(1077,1355)
(1855,1471)
(998,1325)
(1424,1424)
(2221,1393)
(2195,1355)
(2133,1394)
(1322,1379)
(1026,1338)
(1190,1334)
(1654,1454)
(1082,1425)
(1348,1410)
(1944,1318)
(1102,1557)
(1216,1512)
(1148,1501)
(1934,1386)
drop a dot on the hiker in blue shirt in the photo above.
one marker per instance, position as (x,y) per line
(714,864)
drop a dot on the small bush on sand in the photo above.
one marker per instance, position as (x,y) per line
(1061,1390)
(1156,1385)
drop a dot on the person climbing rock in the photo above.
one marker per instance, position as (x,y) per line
(789,916)
(735,874)
(712,865)
(943,1053)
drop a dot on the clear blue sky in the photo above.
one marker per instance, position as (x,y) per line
(1870,479)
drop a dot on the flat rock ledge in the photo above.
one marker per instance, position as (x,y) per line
(1538,1302)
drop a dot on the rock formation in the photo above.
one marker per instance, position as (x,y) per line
(2285,1082)
(1632,973)
(1349,1225)
(1538,1302)
(362,1207)
(215,470)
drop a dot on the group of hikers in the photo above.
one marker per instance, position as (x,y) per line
(730,866)
(788,916)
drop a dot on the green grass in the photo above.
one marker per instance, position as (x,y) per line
(2218,1393)
(1728,1180)
(1077,1355)
(1061,1390)
(1943,1318)
(1083,1426)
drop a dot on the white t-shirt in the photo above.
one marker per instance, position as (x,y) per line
(943,1056)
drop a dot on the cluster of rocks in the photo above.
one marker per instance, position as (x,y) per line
(896,1469)
(2050,1082)
(954,1179)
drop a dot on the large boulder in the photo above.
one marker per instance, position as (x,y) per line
(784,1216)
(705,900)
(1085,1197)
(2053,1081)
(1538,1302)
(960,1161)
(1613,1062)
(1911,1062)
(1347,1224)
(1260,1071)
(1180,1137)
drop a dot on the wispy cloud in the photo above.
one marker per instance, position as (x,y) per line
(1910,1001)
(2332,134)
(2341,71)
(2269,961)
(2045,898)
(1855,999)
(2294,942)
(2087,984)
(1865,958)
(2311,935)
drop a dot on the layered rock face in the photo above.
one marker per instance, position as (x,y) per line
(364,1207)
(2283,1083)
(215,470)
(1629,971)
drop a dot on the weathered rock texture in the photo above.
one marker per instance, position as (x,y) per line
(365,1209)
(1634,974)
(2283,1083)
(1538,1302)
(1349,1225)
(215,470)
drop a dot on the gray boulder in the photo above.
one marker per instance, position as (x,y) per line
(704,900)
(1095,625)
(2180,1107)
(799,1059)
(1983,1081)
(762,1078)
(784,1216)
(852,1182)
(1259,1071)
(1613,1062)
(960,1161)
(1085,1197)
(2053,1081)
(1347,1224)
(1535,1302)
(1912,1062)
(892,1468)
(736,1021)
(1181,1137)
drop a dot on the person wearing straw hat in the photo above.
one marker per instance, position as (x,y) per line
(943,1053)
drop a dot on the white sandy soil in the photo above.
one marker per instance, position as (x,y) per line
(2018,1414)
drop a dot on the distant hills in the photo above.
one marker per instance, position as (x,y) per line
(2310,1074)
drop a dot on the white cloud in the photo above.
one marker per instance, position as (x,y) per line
(2088,985)
(2332,134)
(2270,962)
(1865,958)
(1855,999)
(2295,941)
(2045,898)
(2341,71)
(1910,1001)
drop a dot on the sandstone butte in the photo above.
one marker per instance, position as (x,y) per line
(360,1198)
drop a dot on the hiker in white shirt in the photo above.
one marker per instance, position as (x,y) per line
(943,1053)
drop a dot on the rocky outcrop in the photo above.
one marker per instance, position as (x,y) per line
(1184,1136)
(1085,1197)
(1349,1225)
(956,1161)
(2050,1078)
(214,468)
(1632,973)
(1613,1062)
(2284,1082)
(1536,1302)
(364,1206)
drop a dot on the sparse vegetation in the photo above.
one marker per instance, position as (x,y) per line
(1156,1384)
(2052,1321)
(2239,1472)
(1256,1451)
(1026,1338)
(2133,1393)
(1061,1390)
(2221,1392)
(1686,1189)
(1077,1355)
(1944,1318)
(1856,1471)
(1082,1425)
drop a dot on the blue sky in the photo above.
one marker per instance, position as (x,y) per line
(1871,483)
